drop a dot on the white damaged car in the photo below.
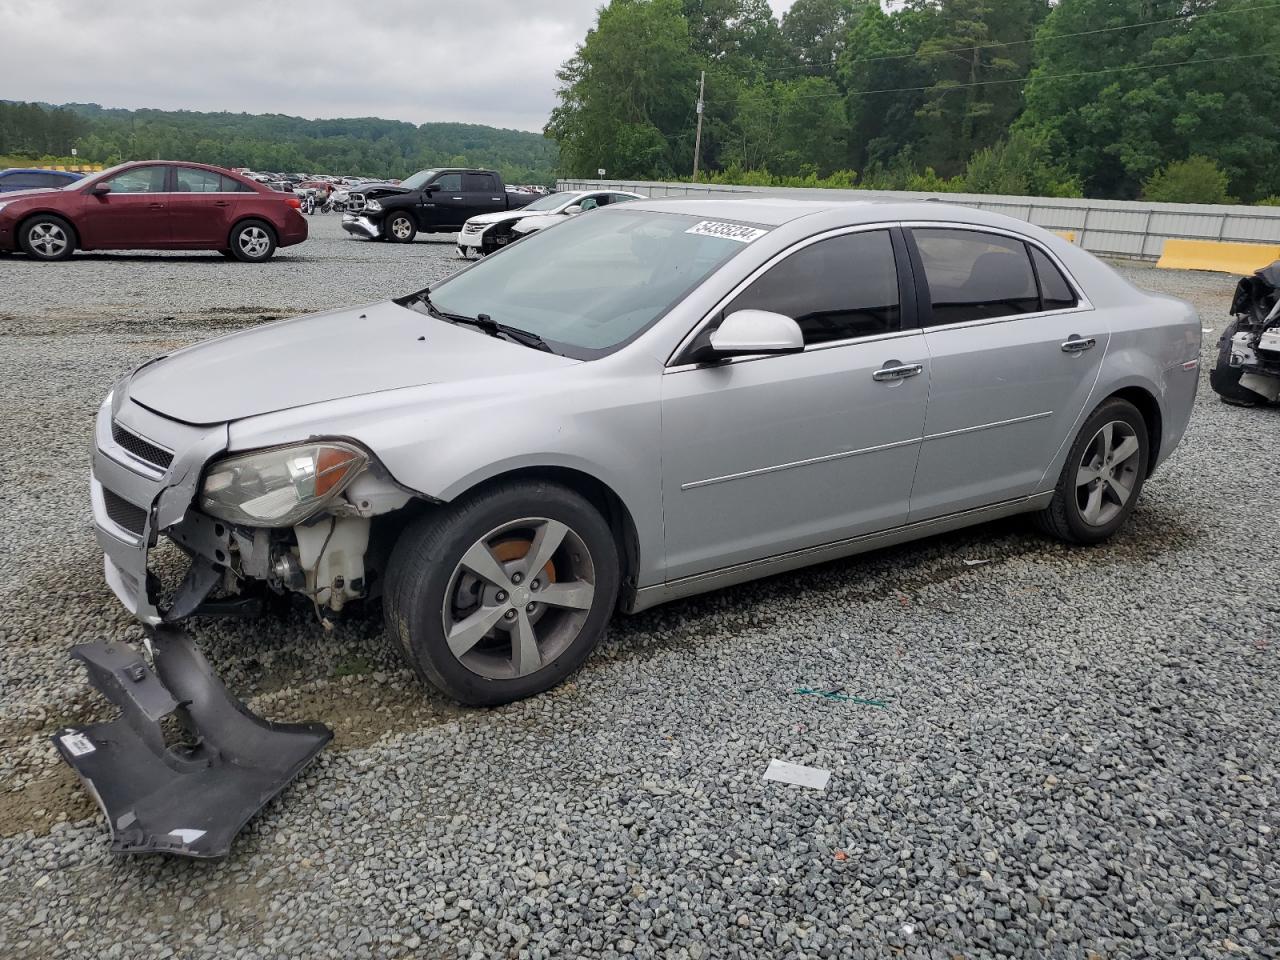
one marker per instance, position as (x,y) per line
(491,231)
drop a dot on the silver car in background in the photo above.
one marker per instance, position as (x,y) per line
(659,399)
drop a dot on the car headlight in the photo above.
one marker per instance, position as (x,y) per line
(282,486)
(373,206)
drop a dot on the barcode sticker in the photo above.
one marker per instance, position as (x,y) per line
(77,744)
(727,231)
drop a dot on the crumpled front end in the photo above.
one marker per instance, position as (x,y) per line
(145,474)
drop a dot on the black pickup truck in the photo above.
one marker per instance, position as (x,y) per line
(430,201)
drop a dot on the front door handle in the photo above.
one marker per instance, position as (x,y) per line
(221,203)
(1078,344)
(893,370)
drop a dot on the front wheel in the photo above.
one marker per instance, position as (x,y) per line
(401,228)
(504,594)
(1104,473)
(253,242)
(47,237)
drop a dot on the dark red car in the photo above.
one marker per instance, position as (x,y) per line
(153,205)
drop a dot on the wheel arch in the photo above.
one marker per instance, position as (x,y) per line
(1152,416)
(601,496)
(241,220)
(61,215)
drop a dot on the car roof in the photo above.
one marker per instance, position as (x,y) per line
(776,211)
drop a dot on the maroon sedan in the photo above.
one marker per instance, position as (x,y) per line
(153,205)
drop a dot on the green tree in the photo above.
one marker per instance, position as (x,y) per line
(1194,180)
(1117,106)
(626,96)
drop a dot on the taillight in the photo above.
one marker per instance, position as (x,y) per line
(293,202)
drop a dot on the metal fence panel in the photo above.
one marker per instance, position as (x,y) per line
(1118,228)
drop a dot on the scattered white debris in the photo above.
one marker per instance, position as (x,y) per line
(976,563)
(798,774)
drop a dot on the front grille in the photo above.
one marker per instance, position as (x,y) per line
(355,202)
(123,513)
(142,449)
(473,228)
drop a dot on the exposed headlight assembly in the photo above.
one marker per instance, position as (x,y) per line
(373,206)
(282,486)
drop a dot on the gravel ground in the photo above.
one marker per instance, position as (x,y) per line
(1075,756)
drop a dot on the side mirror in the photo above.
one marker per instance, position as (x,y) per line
(572,209)
(746,332)
(430,188)
(101,189)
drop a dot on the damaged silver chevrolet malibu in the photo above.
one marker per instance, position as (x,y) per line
(656,400)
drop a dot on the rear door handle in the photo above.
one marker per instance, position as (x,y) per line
(893,370)
(221,203)
(1076,344)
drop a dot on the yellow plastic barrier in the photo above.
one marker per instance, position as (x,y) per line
(1237,258)
(1067,235)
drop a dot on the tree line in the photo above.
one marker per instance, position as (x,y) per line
(357,147)
(1164,99)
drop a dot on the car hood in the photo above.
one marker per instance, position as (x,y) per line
(372,190)
(501,216)
(8,196)
(325,356)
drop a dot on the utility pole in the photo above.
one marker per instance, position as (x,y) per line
(697,140)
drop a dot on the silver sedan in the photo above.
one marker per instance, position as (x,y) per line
(659,399)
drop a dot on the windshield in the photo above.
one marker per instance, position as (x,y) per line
(591,284)
(550,201)
(92,178)
(418,180)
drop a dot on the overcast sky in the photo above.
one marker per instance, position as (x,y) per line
(483,61)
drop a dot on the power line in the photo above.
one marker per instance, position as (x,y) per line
(1038,39)
(944,87)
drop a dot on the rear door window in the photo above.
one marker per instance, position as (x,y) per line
(140,180)
(973,275)
(835,289)
(191,180)
(478,182)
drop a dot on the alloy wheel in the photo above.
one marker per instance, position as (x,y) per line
(401,227)
(49,239)
(1108,473)
(518,598)
(254,241)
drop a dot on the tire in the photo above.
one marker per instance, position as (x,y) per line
(1074,515)
(430,592)
(47,237)
(253,241)
(399,227)
(1225,379)
(462,253)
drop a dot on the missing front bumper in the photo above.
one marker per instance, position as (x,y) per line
(190,798)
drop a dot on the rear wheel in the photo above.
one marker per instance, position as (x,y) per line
(1225,379)
(1102,478)
(503,595)
(400,228)
(253,241)
(47,237)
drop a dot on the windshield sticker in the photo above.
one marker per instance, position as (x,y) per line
(727,231)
